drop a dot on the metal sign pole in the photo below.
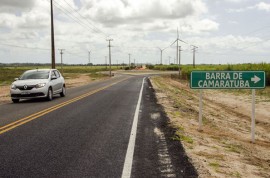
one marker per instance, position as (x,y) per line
(253,117)
(200,111)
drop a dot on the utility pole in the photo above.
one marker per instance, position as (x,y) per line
(134,62)
(89,53)
(106,62)
(52,38)
(169,60)
(110,55)
(194,51)
(129,61)
(61,52)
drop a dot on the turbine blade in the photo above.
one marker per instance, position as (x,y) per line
(183,41)
(173,42)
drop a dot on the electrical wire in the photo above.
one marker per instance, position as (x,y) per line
(17,46)
(95,28)
(74,18)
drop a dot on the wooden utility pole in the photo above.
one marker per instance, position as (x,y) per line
(106,62)
(129,61)
(110,55)
(89,53)
(61,52)
(52,38)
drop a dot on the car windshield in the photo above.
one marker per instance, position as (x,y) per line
(35,75)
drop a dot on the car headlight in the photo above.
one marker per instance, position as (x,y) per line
(40,85)
(13,87)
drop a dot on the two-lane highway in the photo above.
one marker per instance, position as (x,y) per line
(86,134)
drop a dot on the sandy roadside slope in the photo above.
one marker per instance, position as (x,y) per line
(223,148)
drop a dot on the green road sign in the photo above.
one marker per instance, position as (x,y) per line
(227,79)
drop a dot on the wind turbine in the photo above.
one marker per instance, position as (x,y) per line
(161,50)
(177,50)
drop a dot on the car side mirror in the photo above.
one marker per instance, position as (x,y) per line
(15,79)
(53,78)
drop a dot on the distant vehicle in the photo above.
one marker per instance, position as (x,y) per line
(39,83)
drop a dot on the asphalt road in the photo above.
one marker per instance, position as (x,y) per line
(88,133)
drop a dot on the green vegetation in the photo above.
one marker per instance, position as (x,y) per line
(236,174)
(180,135)
(233,148)
(186,69)
(215,165)
(7,74)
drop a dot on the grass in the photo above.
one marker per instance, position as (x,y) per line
(187,69)
(233,148)
(179,135)
(214,165)
(260,92)
(236,174)
(7,74)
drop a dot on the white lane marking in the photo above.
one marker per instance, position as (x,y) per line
(126,173)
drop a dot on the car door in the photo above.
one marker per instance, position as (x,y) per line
(59,82)
(54,82)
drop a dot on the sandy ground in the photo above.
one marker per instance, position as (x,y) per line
(79,80)
(223,148)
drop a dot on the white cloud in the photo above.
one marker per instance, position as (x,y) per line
(116,12)
(235,1)
(263,6)
(259,6)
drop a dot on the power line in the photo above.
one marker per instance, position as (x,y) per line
(16,46)
(73,17)
(95,28)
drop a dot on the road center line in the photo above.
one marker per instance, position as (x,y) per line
(27,119)
(126,173)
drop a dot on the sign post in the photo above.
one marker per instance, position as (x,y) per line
(253,117)
(228,80)
(200,111)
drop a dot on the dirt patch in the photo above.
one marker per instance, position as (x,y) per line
(78,80)
(71,81)
(223,148)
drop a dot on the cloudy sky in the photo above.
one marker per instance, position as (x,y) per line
(226,31)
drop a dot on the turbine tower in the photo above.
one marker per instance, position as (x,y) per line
(177,49)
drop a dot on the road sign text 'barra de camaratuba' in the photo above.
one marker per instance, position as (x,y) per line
(227,79)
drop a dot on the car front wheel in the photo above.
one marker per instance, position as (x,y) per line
(63,93)
(50,95)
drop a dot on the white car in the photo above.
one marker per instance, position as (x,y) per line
(39,83)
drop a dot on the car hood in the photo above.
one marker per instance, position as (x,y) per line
(30,82)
